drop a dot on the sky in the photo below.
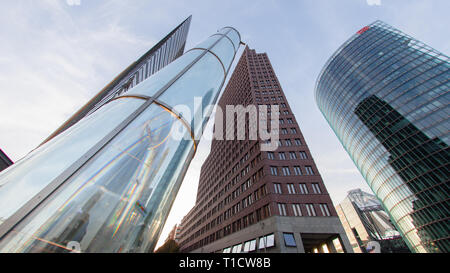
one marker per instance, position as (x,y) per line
(56,54)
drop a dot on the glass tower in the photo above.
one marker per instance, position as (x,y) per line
(107,183)
(386,97)
(164,52)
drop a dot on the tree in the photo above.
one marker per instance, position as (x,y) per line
(169,247)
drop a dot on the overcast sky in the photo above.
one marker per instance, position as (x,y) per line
(56,54)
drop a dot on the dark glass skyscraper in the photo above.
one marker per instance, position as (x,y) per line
(386,96)
(164,52)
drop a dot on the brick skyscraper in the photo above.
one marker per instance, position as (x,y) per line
(247,198)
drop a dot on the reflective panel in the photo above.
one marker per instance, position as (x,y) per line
(153,84)
(30,175)
(225,50)
(115,202)
(118,170)
(233,35)
(209,42)
(204,79)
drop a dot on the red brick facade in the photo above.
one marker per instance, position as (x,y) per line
(237,185)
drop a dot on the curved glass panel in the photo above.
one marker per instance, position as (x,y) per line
(30,175)
(225,51)
(208,42)
(233,35)
(153,84)
(195,90)
(119,198)
(117,201)
(387,98)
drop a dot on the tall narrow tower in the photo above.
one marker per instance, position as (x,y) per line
(107,183)
(251,200)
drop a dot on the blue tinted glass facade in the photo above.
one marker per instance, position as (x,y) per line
(386,96)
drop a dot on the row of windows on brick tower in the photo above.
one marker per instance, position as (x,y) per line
(241,185)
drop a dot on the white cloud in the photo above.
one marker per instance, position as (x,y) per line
(51,65)
(373,2)
(73,2)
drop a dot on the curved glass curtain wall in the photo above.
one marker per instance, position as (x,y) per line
(386,96)
(118,199)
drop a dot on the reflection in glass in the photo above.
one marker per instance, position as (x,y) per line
(129,166)
(109,205)
(23,180)
(386,96)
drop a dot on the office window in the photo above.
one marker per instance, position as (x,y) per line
(309,170)
(303,155)
(282,209)
(297,170)
(293,131)
(286,171)
(270,155)
(325,210)
(291,188)
(289,239)
(266,241)
(250,246)
(292,155)
(237,248)
(290,121)
(273,170)
(281,121)
(288,142)
(316,188)
(298,142)
(310,209)
(297,210)
(277,188)
(303,188)
(284,131)
(282,156)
